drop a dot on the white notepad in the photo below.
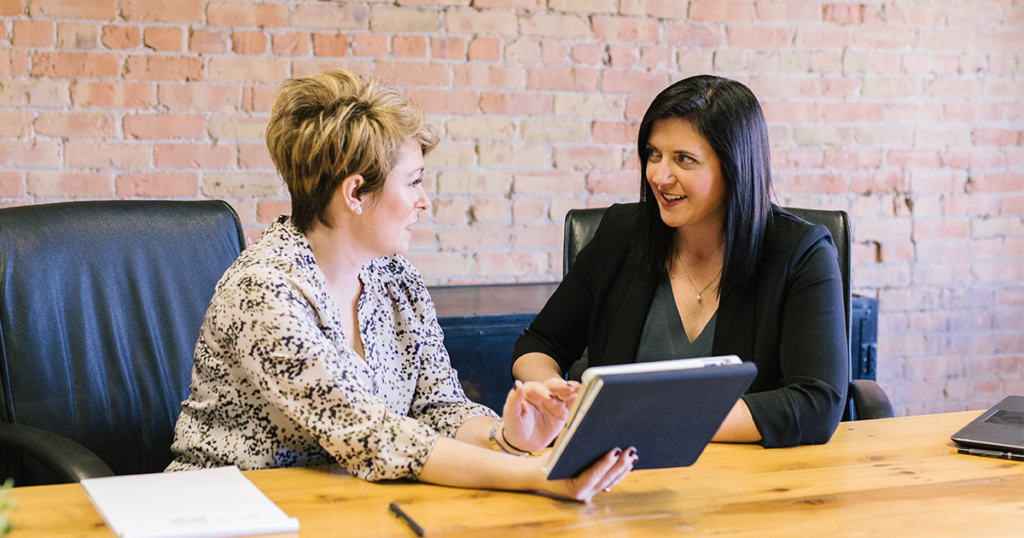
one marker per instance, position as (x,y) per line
(208,503)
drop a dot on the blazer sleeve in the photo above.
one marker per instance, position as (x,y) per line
(812,351)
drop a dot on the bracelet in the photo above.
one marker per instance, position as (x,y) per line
(495,445)
(513,447)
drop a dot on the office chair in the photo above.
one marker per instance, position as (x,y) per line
(100,308)
(865,398)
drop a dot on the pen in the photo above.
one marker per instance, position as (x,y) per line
(991,453)
(408,520)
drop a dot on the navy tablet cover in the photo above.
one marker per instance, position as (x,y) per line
(669,416)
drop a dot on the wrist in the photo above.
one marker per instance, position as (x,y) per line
(513,448)
(496,439)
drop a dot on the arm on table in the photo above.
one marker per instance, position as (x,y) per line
(738,426)
(454,463)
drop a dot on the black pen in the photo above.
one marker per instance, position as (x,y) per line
(991,453)
(408,520)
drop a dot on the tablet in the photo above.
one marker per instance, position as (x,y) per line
(668,410)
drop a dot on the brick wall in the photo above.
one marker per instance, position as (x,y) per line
(909,115)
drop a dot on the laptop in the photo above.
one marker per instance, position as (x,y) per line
(997,433)
(668,410)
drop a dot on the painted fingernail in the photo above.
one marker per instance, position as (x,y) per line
(606,490)
(631,451)
(617,453)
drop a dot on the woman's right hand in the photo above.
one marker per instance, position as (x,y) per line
(602,475)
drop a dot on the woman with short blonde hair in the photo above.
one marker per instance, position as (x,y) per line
(321,343)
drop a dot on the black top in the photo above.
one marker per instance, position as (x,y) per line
(789,320)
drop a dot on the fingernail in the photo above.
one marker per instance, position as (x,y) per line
(631,451)
(617,453)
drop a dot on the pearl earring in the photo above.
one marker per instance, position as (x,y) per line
(359,211)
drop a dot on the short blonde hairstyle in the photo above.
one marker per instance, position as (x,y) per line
(324,128)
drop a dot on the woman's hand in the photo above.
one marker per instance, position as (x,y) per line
(535,413)
(603,475)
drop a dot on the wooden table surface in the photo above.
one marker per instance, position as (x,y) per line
(897,477)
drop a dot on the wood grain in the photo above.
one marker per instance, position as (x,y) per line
(897,477)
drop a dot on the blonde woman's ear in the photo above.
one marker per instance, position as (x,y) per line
(349,191)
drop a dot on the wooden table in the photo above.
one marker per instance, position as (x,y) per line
(897,477)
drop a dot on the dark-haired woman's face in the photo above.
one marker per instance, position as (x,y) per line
(685,175)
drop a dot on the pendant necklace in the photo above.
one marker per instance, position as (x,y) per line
(695,286)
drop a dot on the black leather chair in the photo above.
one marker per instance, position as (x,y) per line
(100,308)
(865,398)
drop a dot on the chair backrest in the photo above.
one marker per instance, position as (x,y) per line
(100,308)
(580,225)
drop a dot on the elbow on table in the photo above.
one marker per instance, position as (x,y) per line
(821,422)
(811,419)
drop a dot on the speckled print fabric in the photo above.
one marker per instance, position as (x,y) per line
(276,384)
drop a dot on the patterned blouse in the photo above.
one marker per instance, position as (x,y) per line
(276,384)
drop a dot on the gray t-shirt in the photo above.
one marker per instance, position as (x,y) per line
(664,337)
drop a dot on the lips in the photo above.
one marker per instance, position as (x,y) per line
(671,199)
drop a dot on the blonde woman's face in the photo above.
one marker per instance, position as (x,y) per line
(396,207)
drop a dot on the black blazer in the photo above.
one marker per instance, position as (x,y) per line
(789,320)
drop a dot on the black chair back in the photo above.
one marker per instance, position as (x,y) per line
(100,308)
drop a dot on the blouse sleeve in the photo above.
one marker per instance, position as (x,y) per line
(807,406)
(439,399)
(274,332)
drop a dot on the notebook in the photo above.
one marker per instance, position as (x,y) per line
(206,503)
(668,410)
(998,432)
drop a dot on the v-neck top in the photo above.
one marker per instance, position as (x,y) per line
(664,337)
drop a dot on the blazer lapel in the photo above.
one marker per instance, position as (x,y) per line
(629,325)
(734,330)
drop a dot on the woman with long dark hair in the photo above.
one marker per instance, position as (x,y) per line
(705,264)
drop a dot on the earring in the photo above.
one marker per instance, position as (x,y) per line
(359,210)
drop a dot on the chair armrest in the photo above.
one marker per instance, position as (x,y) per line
(70,461)
(870,400)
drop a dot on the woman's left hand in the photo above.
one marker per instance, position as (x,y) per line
(535,412)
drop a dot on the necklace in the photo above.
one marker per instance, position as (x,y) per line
(695,286)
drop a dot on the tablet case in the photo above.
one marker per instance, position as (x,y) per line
(669,416)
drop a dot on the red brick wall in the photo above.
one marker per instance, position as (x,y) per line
(909,115)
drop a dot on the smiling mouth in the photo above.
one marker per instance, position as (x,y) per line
(672,198)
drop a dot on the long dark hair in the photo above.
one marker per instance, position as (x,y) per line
(728,116)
